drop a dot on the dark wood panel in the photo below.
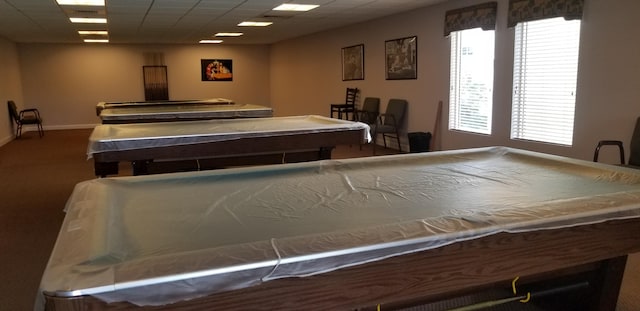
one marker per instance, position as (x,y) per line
(241,146)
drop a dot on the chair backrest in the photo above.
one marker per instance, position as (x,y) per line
(352,95)
(370,109)
(397,108)
(13,111)
(371,104)
(634,146)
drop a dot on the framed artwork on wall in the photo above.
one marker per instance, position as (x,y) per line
(353,62)
(216,69)
(401,57)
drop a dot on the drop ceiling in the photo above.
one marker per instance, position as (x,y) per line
(188,21)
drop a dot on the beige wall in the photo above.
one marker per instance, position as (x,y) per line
(306,77)
(10,87)
(306,73)
(66,81)
(303,75)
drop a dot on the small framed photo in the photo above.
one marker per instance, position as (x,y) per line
(353,62)
(401,58)
(216,69)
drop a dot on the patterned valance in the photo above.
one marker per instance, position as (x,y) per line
(530,10)
(481,15)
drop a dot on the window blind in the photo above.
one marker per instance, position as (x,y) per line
(471,80)
(544,80)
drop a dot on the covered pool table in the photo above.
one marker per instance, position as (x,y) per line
(135,104)
(179,111)
(346,235)
(199,145)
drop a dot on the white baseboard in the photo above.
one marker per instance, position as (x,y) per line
(6,140)
(59,127)
(70,127)
(33,128)
(391,143)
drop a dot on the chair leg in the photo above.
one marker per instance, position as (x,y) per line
(19,131)
(40,130)
(373,140)
(398,139)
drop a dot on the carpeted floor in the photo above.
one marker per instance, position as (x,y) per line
(37,176)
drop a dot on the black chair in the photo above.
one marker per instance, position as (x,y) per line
(349,105)
(369,111)
(634,153)
(26,116)
(388,123)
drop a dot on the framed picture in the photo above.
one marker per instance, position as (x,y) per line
(401,58)
(353,62)
(216,69)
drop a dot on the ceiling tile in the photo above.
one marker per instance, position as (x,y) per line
(179,21)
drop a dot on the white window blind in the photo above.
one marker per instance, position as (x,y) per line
(471,80)
(544,80)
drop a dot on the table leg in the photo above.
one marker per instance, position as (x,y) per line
(102,169)
(140,167)
(325,153)
(607,284)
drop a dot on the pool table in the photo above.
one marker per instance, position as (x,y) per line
(137,104)
(355,234)
(181,112)
(206,144)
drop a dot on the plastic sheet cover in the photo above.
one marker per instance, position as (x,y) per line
(112,137)
(188,111)
(210,101)
(164,238)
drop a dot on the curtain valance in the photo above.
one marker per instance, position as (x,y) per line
(530,10)
(481,15)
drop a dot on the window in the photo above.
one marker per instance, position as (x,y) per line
(544,80)
(471,80)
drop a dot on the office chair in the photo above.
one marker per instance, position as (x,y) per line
(388,123)
(634,153)
(26,116)
(349,105)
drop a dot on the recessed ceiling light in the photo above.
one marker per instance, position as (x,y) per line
(88,20)
(81,2)
(93,32)
(295,7)
(255,24)
(96,40)
(210,41)
(228,34)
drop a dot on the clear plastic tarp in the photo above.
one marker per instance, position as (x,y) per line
(112,137)
(160,239)
(185,111)
(211,101)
